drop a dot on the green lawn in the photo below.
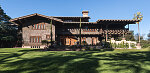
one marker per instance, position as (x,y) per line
(18,60)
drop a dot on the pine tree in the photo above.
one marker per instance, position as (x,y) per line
(3,16)
(7,32)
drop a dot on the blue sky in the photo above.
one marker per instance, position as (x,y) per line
(98,9)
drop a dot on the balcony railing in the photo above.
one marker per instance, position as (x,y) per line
(77,31)
(92,31)
(116,31)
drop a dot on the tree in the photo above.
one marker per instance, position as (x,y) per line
(129,36)
(138,16)
(7,32)
(137,37)
(3,16)
(148,36)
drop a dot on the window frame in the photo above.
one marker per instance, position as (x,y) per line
(35,39)
(39,26)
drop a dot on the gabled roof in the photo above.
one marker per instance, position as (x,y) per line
(27,16)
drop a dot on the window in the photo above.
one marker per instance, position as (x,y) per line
(83,39)
(39,26)
(94,41)
(48,36)
(35,39)
(33,26)
(43,26)
(39,39)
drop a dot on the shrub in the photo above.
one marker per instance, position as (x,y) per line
(120,45)
(44,42)
(133,45)
(114,45)
(107,45)
(145,43)
(83,49)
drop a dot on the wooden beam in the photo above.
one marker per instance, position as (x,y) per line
(106,32)
(80,31)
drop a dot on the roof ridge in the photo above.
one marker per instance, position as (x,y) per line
(22,17)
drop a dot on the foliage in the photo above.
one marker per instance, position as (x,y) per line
(137,37)
(44,42)
(128,37)
(106,45)
(138,16)
(3,16)
(121,45)
(148,36)
(133,45)
(145,43)
(8,33)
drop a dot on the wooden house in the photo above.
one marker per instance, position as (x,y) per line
(66,30)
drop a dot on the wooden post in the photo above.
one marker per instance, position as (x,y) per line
(51,33)
(123,33)
(80,32)
(128,26)
(106,32)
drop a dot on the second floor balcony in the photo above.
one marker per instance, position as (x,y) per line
(91,31)
(77,31)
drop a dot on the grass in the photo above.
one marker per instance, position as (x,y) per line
(19,60)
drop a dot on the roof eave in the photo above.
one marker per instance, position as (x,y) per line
(111,20)
(48,17)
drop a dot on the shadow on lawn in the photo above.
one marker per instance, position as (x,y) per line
(55,64)
(6,55)
(31,50)
(79,62)
(133,61)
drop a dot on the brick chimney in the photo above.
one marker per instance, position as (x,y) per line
(85,13)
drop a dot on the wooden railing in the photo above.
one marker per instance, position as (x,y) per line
(92,31)
(116,31)
(77,31)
